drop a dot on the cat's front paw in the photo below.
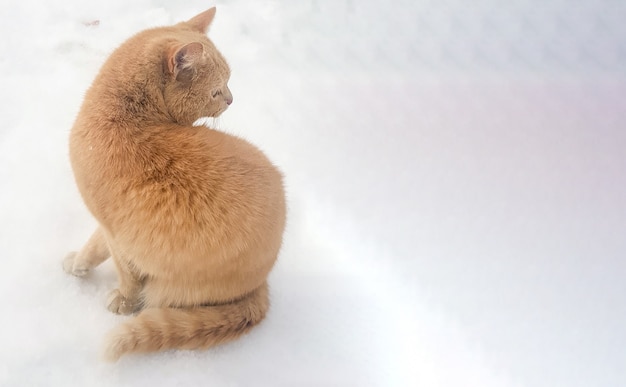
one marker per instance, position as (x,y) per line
(119,304)
(71,267)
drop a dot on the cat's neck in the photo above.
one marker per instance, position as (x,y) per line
(128,91)
(127,105)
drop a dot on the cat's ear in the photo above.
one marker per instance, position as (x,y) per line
(202,21)
(182,58)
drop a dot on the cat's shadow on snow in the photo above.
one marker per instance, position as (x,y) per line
(97,283)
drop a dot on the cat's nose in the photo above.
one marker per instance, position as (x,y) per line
(228,96)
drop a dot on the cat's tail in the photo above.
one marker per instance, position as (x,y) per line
(159,329)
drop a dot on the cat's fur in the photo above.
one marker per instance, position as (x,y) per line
(192,217)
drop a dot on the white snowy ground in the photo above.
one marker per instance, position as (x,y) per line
(457,185)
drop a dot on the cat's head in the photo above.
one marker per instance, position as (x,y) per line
(196,74)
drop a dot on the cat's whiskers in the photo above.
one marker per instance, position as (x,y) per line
(216,122)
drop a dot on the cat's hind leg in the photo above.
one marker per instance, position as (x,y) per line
(95,251)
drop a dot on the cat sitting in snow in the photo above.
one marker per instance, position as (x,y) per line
(192,217)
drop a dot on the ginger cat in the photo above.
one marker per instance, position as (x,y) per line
(192,217)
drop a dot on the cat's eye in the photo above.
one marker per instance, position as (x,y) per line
(216,93)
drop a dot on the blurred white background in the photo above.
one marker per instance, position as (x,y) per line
(456,175)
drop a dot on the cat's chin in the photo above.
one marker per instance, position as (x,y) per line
(209,122)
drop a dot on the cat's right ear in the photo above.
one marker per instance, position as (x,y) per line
(202,21)
(181,59)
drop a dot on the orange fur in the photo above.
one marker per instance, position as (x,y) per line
(192,217)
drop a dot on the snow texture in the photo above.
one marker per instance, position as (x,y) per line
(456,173)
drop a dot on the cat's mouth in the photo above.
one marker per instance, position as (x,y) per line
(222,110)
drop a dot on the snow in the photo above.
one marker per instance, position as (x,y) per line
(456,181)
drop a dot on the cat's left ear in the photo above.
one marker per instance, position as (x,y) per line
(202,21)
(180,59)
